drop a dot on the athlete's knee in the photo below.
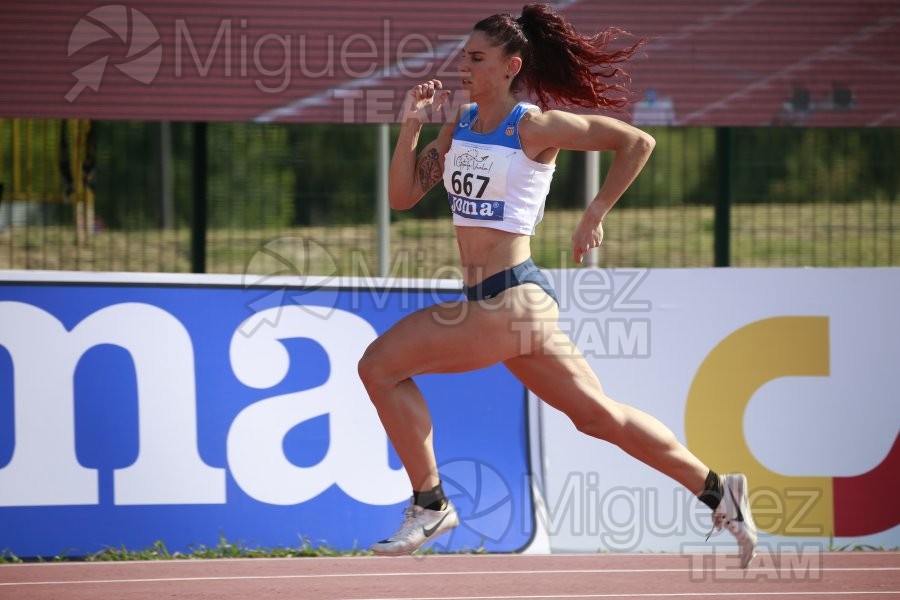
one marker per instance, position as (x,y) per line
(369,367)
(373,371)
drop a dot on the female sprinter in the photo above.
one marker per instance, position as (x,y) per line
(496,158)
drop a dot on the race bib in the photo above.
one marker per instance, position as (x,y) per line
(475,178)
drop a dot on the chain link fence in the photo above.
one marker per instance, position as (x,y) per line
(123,196)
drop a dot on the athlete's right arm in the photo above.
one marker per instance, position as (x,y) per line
(411,176)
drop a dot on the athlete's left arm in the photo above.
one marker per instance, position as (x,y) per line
(632,148)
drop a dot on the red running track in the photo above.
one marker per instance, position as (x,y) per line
(833,576)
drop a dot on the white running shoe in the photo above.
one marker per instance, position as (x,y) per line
(733,513)
(420,525)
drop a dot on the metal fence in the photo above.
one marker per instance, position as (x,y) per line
(246,197)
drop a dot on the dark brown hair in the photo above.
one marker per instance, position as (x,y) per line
(559,65)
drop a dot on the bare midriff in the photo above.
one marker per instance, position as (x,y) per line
(484,251)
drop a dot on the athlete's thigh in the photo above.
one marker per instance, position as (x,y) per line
(448,338)
(559,375)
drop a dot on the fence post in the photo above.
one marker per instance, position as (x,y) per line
(591,187)
(199,220)
(166,198)
(722,218)
(383,206)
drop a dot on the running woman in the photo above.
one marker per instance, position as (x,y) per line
(496,159)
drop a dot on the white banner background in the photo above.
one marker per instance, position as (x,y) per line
(600,499)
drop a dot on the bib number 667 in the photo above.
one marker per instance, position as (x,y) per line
(462,184)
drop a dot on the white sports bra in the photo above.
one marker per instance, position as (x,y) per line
(490,181)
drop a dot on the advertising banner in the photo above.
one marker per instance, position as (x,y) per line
(787,375)
(192,409)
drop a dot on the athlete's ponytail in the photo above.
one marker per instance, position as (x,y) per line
(559,65)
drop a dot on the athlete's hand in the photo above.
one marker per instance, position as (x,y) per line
(587,235)
(420,97)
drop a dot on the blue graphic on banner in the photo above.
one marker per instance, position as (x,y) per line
(189,413)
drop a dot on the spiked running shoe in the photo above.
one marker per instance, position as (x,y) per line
(733,513)
(420,525)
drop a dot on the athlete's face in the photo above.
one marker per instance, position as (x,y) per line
(484,67)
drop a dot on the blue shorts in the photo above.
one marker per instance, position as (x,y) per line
(527,272)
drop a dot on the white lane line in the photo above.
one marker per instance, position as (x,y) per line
(649,595)
(599,572)
(611,556)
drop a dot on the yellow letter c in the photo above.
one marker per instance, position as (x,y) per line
(714,421)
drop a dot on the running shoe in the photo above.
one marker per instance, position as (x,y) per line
(733,513)
(420,525)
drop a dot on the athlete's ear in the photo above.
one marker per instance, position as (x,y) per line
(513,66)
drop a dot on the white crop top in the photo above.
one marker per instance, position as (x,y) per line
(490,181)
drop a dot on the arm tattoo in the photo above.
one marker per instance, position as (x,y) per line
(429,169)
